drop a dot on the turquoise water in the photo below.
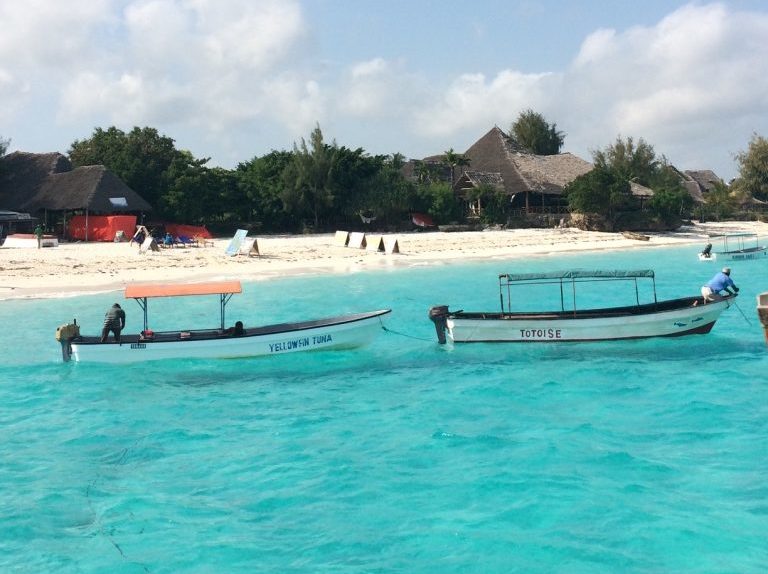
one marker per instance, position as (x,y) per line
(645,456)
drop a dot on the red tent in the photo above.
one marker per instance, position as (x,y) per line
(101,227)
(177,229)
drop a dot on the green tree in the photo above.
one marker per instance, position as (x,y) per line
(307,179)
(353,178)
(629,161)
(392,196)
(535,135)
(719,203)
(141,158)
(439,201)
(753,169)
(494,202)
(670,200)
(261,184)
(196,191)
(599,191)
(454,160)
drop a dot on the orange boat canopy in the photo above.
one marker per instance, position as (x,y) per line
(182,289)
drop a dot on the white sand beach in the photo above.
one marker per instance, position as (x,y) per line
(80,268)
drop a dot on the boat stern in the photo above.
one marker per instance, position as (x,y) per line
(439,316)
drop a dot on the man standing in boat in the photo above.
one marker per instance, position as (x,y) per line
(114,321)
(720,282)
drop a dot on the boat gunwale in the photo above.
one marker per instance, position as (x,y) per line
(659,307)
(210,334)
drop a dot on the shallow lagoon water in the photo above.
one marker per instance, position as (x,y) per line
(403,456)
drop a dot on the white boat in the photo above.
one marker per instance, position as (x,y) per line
(740,247)
(341,332)
(706,254)
(669,318)
(762,312)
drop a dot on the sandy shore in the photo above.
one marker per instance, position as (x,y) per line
(79,268)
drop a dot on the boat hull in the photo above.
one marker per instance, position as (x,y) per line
(684,319)
(762,312)
(347,331)
(743,255)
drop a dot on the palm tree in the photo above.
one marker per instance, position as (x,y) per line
(453,159)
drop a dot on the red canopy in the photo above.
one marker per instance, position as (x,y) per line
(177,229)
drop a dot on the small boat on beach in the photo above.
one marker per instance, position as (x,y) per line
(636,236)
(762,312)
(739,247)
(340,332)
(666,318)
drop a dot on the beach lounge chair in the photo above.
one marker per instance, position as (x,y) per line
(186,241)
(203,241)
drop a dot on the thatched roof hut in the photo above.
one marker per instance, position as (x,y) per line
(530,174)
(22,175)
(92,187)
(37,182)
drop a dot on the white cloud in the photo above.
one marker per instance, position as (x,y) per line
(695,85)
(370,89)
(471,101)
(683,85)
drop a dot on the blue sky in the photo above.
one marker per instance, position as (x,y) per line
(234,79)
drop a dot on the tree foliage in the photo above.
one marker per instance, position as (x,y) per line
(535,135)
(454,160)
(4,143)
(719,202)
(753,168)
(599,191)
(141,158)
(629,160)
(308,191)
(260,186)
(670,201)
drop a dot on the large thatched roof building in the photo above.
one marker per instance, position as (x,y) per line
(37,183)
(529,179)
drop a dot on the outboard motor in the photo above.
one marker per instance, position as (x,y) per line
(64,335)
(438,316)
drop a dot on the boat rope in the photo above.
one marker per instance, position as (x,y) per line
(735,304)
(404,334)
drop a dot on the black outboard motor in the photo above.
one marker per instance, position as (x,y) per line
(65,334)
(438,316)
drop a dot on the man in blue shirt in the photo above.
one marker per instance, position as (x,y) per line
(720,282)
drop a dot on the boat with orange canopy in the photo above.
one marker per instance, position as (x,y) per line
(343,331)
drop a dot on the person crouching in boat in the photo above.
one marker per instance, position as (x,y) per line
(236,331)
(114,320)
(720,282)
(707,252)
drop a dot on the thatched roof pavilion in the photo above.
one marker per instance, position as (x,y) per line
(46,182)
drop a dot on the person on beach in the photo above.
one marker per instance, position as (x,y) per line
(720,282)
(39,234)
(114,320)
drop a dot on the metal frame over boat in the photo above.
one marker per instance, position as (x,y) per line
(738,247)
(344,331)
(668,318)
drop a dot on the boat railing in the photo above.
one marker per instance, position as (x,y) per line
(568,281)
